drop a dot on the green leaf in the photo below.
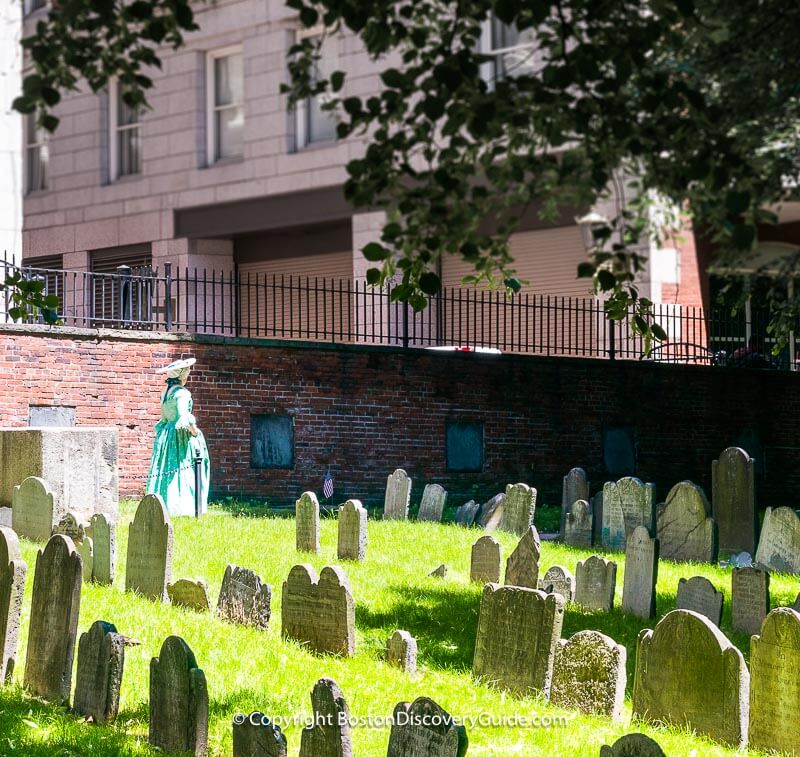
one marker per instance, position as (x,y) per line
(743,236)
(606,279)
(24,104)
(658,332)
(513,283)
(430,283)
(50,123)
(308,16)
(374,276)
(50,96)
(586,270)
(393,79)
(375,252)
(737,202)
(337,80)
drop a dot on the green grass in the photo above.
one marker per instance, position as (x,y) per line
(252,670)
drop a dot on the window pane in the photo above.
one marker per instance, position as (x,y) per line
(503,35)
(229,128)
(321,124)
(515,62)
(125,114)
(37,168)
(228,80)
(129,148)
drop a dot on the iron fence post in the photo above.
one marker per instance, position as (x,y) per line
(168,296)
(612,340)
(405,325)
(125,298)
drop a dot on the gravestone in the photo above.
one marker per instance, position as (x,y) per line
(12,585)
(733,500)
(190,594)
(579,524)
(149,563)
(329,736)
(352,544)
(558,580)
(423,729)
(439,572)
(54,620)
(589,675)
(401,651)
(101,658)
(244,598)
(597,517)
(518,508)
(613,531)
(595,582)
(689,674)
(775,683)
(434,499)
(319,610)
(796,605)
(257,736)
(71,525)
(86,551)
(574,487)
(627,503)
(779,545)
(466,514)
(633,745)
(749,599)
(178,700)
(518,630)
(699,594)
(491,513)
(398,493)
(487,555)
(641,574)
(522,566)
(33,510)
(104,543)
(307,523)
(685,530)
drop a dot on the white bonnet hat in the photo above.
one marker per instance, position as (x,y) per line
(175,368)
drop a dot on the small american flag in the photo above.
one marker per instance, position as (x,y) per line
(327,486)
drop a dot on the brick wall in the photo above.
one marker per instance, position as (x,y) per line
(365,411)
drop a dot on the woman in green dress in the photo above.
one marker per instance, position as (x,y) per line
(177,442)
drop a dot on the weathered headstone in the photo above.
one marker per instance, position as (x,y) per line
(597,517)
(178,700)
(398,493)
(689,674)
(12,586)
(733,500)
(685,530)
(627,503)
(558,580)
(101,658)
(438,572)
(257,736)
(613,532)
(423,729)
(522,566)
(641,574)
(149,563)
(574,487)
(54,620)
(579,525)
(466,513)
(352,544)
(589,675)
(779,545)
(401,651)
(749,599)
(434,499)
(104,542)
(633,745)
(244,598)
(595,583)
(71,525)
(329,736)
(699,594)
(796,605)
(518,508)
(307,523)
(491,512)
(33,509)
(487,556)
(85,549)
(518,630)
(190,594)
(319,610)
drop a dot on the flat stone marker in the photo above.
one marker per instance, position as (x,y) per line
(518,508)
(466,514)
(689,674)
(352,544)
(627,503)
(101,659)
(12,585)
(398,494)
(487,556)
(190,594)
(685,530)
(518,630)
(699,594)
(33,509)
(574,487)
(491,513)
(439,572)
(178,700)
(641,574)
(424,729)
(258,736)
(401,651)
(319,610)
(589,675)
(558,580)
(330,734)
(244,598)
(779,545)
(749,599)
(733,500)
(579,524)
(595,583)
(54,620)
(104,542)
(307,523)
(633,745)
(522,566)
(434,499)
(775,683)
(149,564)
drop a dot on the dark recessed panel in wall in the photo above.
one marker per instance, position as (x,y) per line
(619,451)
(271,441)
(464,444)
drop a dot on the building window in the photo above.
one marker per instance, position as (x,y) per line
(125,139)
(314,124)
(225,95)
(36,156)
(513,51)
(34,5)
(464,442)
(271,441)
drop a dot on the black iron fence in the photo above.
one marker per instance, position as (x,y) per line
(230,303)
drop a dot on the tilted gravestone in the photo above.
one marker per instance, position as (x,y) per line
(244,598)
(101,659)
(749,599)
(329,736)
(319,610)
(632,745)
(12,585)
(434,499)
(589,675)
(148,569)
(104,542)
(491,512)
(641,574)
(689,674)
(423,729)
(518,509)
(54,620)
(699,594)
(685,530)
(558,580)
(71,525)
(579,524)
(627,503)
(33,509)
(733,500)
(352,544)
(518,630)
(398,494)
(595,582)
(466,513)
(574,487)
(779,545)
(307,523)
(178,700)
(775,683)
(255,735)
(401,651)
(487,556)
(190,594)
(522,566)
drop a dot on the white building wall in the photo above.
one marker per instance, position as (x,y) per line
(11,181)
